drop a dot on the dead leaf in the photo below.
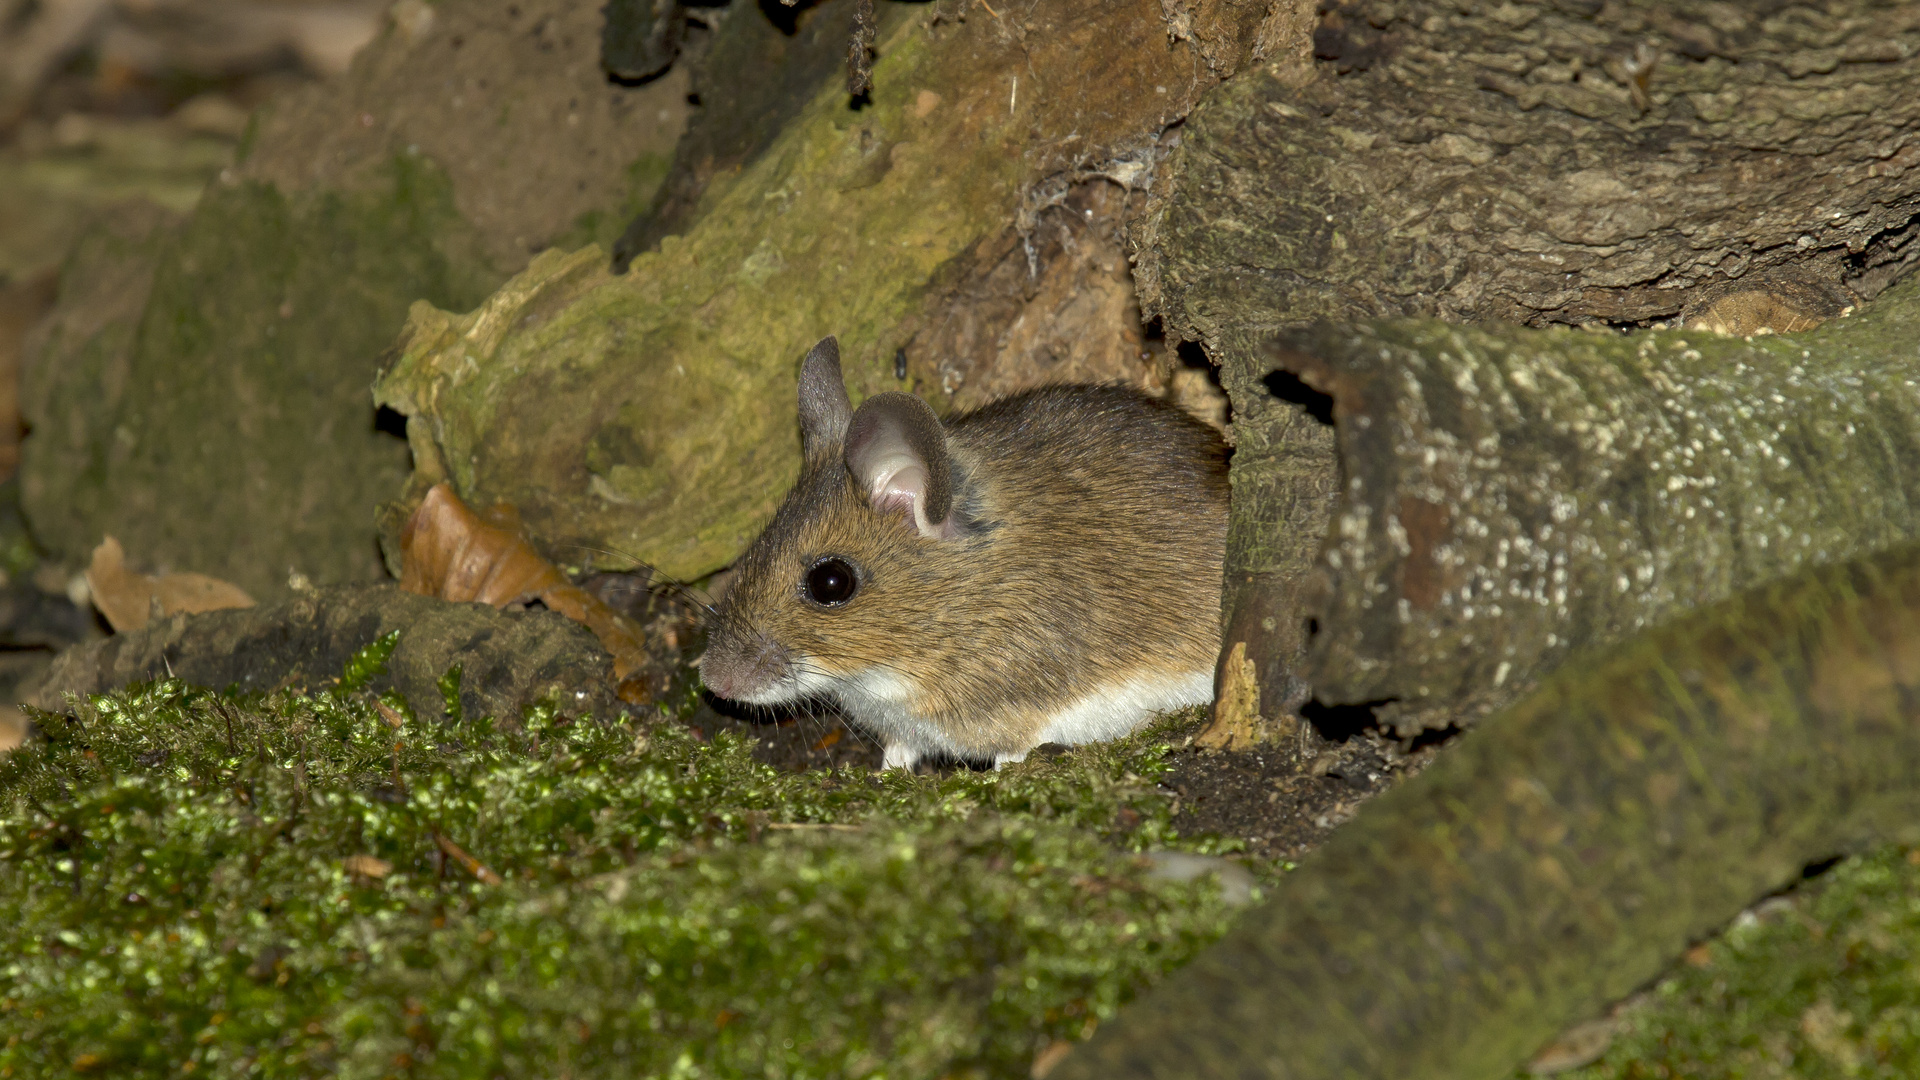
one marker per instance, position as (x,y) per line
(448,551)
(366,866)
(13,727)
(129,600)
(389,714)
(640,689)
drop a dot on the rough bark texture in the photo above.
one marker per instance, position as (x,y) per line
(1542,162)
(508,660)
(1511,496)
(1567,850)
(1547,162)
(1283,474)
(648,416)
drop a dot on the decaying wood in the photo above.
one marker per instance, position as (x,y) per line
(1566,851)
(1533,162)
(1283,475)
(645,417)
(1539,162)
(1513,496)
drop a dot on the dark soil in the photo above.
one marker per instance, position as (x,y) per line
(1281,800)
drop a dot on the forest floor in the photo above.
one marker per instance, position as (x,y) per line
(784,894)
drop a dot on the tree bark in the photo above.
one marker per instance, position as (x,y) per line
(1566,850)
(1536,163)
(1547,162)
(1515,496)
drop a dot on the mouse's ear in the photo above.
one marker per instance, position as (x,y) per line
(824,408)
(897,453)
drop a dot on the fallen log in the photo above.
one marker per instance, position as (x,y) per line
(1567,849)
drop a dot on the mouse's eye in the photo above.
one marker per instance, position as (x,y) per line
(831,581)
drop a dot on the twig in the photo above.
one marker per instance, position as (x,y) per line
(474,866)
(813,825)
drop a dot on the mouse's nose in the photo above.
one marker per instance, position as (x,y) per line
(744,668)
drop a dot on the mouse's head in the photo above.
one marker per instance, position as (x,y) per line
(866,546)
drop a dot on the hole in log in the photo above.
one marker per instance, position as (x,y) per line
(1338,723)
(1287,386)
(1815,869)
(390,422)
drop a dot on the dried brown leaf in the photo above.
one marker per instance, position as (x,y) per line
(129,599)
(448,551)
(366,866)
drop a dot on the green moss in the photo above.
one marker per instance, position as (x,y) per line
(1825,983)
(180,870)
(650,416)
(449,685)
(368,664)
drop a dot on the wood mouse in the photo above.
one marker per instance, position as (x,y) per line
(1046,568)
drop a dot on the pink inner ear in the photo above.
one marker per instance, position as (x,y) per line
(901,491)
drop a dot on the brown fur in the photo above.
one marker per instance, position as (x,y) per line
(1092,531)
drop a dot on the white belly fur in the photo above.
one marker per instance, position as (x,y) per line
(879,702)
(1120,709)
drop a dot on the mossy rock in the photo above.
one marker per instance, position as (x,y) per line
(502,662)
(211,411)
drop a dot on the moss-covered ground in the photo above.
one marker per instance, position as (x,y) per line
(1821,983)
(295,885)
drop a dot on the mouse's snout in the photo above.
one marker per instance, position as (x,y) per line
(749,667)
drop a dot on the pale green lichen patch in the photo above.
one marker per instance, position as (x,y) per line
(650,416)
(290,886)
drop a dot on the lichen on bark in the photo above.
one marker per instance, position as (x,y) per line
(648,417)
(1513,496)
